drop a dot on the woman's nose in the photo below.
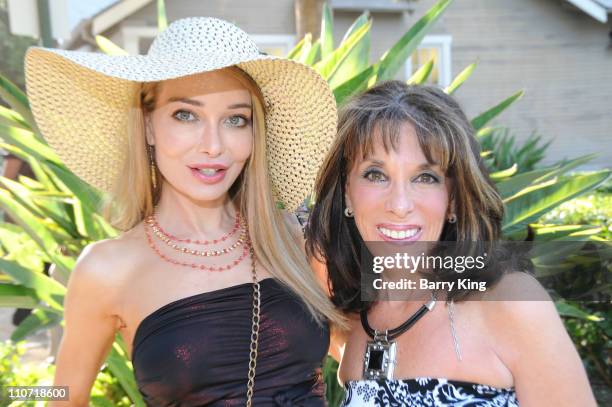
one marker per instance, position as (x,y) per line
(400,200)
(210,140)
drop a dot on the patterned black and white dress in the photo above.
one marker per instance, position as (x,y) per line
(427,392)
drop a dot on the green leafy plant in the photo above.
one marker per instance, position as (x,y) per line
(13,373)
(592,336)
(57,213)
(106,392)
(503,152)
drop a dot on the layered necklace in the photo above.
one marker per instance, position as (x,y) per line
(153,228)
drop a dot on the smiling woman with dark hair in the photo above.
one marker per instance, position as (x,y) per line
(405,168)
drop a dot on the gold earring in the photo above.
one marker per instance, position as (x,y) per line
(152,166)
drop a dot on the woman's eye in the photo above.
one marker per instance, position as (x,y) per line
(184,116)
(427,179)
(236,121)
(374,176)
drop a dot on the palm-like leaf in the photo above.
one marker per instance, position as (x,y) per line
(524,208)
(460,79)
(422,74)
(479,121)
(16,100)
(109,47)
(337,61)
(393,60)
(327,32)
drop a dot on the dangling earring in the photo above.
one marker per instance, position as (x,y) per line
(452,218)
(348,212)
(152,166)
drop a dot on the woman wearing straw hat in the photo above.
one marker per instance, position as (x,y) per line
(197,142)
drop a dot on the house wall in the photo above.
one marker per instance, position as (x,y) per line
(260,16)
(255,17)
(559,56)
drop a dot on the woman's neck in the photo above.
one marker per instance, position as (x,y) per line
(186,218)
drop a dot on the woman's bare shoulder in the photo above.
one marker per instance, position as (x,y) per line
(515,286)
(529,337)
(517,296)
(110,262)
(520,311)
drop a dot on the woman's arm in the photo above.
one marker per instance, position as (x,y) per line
(89,323)
(338,336)
(532,342)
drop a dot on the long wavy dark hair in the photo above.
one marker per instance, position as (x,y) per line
(446,137)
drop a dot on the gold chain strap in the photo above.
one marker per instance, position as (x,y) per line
(254,331)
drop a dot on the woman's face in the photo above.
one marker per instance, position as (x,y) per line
(202,132)
(398,196)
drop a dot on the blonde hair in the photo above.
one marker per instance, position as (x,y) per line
(275,246)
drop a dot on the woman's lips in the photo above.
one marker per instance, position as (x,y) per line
(208,175)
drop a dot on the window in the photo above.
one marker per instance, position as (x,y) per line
(137,40)
(438,48)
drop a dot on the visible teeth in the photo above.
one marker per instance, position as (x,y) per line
(207,171)
(398,234)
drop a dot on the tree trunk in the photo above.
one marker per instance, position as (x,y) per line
(308,17)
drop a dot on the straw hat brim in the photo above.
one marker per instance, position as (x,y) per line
(80,101)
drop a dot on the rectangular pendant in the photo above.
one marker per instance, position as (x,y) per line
(379,360)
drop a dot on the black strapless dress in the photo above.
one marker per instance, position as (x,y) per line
(195,351)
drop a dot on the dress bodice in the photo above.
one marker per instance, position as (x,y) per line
(195,351)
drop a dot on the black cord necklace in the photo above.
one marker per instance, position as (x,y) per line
(379,360)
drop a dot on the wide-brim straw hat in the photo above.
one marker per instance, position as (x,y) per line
(80,101)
